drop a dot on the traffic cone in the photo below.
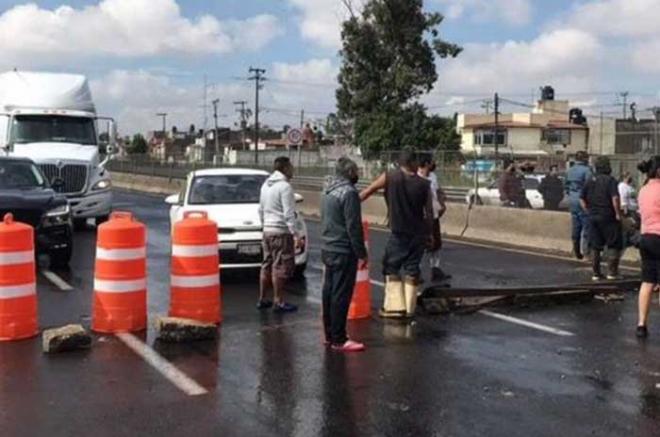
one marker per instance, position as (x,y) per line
(120,278)
(360,307)
(18,287)
(195,280)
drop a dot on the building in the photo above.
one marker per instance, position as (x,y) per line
(623,137)
(551,129)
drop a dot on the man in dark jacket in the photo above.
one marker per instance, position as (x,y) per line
(343,247)
(600,200)
(552,190)
(510,186)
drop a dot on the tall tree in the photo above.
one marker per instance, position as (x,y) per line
(138,145)
(388,61)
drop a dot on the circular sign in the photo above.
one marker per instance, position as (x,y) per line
(295,136)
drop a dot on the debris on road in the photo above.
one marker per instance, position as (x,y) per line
(179,330)
(65,339)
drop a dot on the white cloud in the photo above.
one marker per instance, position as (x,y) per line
(569,59)
(320,20)
(513,12)
(124,28)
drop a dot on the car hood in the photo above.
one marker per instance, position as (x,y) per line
(50,151)
(234,216)
(36,199)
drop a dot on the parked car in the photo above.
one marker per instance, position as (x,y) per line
(230,197)
(490,194)
(28,195)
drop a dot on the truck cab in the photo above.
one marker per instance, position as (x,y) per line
(51,119)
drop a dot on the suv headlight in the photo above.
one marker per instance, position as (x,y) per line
(57,216)
(103,184)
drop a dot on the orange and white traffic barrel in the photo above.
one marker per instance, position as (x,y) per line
(195,272)
(18,285)
(120,277)
(360,307)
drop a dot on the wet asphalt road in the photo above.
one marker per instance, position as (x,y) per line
(469,375)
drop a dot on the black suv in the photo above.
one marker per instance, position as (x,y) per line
(27,194)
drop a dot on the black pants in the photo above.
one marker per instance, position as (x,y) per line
(404,251)
(338,284)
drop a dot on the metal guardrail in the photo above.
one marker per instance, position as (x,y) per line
(174,170)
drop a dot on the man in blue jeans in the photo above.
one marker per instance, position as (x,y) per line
(410,210)
(576,178)
(343,247)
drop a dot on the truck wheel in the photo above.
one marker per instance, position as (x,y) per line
(79,224)
(60,258)
(102,219)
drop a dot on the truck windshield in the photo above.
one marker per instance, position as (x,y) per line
(209,190)
(20,175)
(53,128)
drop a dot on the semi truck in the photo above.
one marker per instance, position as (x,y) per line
(51,119)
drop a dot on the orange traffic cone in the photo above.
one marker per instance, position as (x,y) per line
(18,288)
(195,280)
(361,303)
(120,278)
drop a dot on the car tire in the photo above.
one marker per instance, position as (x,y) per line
(79,224)
(60,258)
(101,219)
(299,272)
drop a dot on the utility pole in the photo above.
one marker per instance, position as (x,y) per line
(601,132)
(302,118)
(163,115)
(624,96)
(244,116)
(496,101)
(215,132)
(257,78)
(656,114)
(205,105)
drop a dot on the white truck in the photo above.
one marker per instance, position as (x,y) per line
(51,119)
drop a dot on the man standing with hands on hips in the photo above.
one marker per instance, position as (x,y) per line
(343,248)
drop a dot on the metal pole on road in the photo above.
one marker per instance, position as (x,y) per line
(215,131)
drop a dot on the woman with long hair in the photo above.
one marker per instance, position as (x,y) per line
(649,208)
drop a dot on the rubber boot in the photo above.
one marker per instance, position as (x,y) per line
(595,264)
(613,257)
(410,286)
(394,306)
(577,249)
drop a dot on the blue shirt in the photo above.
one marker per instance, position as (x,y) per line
(576,178)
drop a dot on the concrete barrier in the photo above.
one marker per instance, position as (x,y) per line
(546,231)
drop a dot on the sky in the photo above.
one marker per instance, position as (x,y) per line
(148,56)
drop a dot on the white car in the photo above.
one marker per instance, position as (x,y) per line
(490,194)
(230,197)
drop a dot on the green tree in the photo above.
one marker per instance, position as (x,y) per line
(138,145)
(388,61)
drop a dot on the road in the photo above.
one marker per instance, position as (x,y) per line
(574,369)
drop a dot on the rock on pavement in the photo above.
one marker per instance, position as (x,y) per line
(66,338)
(177,330)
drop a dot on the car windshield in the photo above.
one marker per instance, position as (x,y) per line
(225,189)
(20,175)
(53,128)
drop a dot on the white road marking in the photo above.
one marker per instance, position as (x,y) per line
(544,328)
(182,381)
(56,280)
(377,283)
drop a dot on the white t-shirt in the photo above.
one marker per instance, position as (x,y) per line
(434,192)
(626,194)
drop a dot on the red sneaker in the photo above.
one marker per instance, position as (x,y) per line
(349,346)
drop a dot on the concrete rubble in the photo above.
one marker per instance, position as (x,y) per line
(179,330)
(65,339)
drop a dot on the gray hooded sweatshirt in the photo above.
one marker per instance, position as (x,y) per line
(341,223)
(277,205)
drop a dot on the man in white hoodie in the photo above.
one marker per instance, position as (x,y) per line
(278,217)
